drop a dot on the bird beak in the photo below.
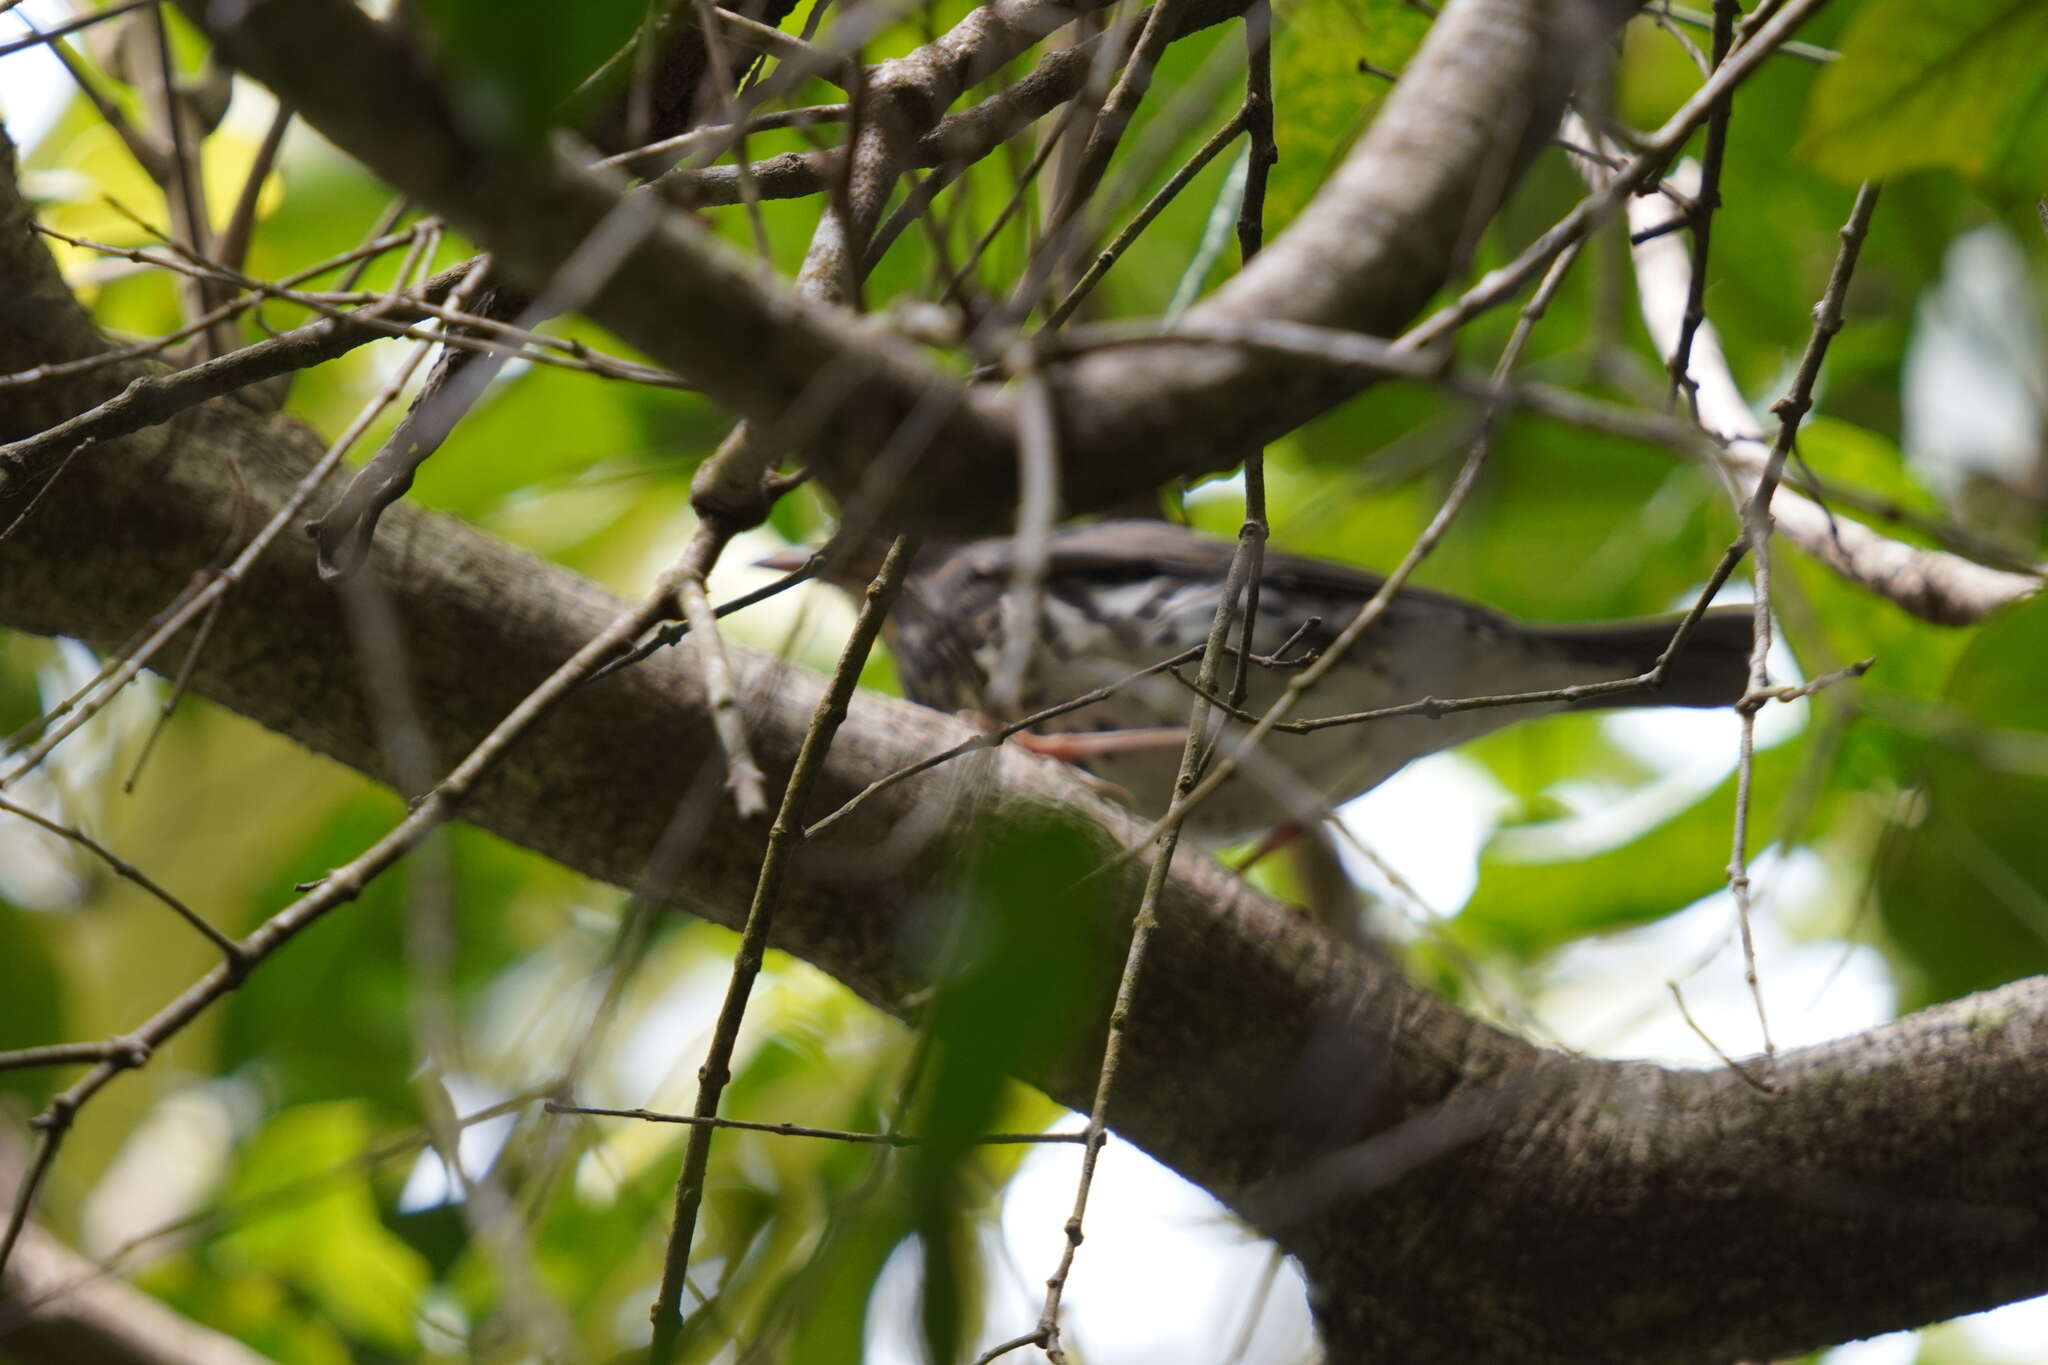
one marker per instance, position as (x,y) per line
(786,560)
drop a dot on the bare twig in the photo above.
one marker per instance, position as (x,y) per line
(1756,1082)
(1756,530)
(126,1051)
(1166,194)
(1258,122)
(233,246)
(805,1131)
(1657,150)
(1161,21)
(337,888)
(1708,200)
(49,35)
(220,584)
(1038,497)
(1243,571)
(742,774)
(128,872)
(782,839)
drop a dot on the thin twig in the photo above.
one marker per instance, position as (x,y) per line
(1038,497)
(1657,150)
(1754,1081)
(804,1131)
(37,374)
(1115,114)
(149,153)
(233,247)
(226,580)
(1258,123)
(1705,203)
(783,837)
(1024,180)
(125,1050)
(108,666)
(337,888)
(721,699)
(1756,530)
(719,136)
(184,189)
(1195,747)
(1299,685)
(676,630)
(714,23)
(128,872)
(995,737)
(1805,52)
(563,352)
(42,36)
(1793,692)
(1166,194)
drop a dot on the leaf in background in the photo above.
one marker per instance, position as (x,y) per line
(1972,399)
(1844,454)
(1526,908)
(1321,97)
(1963,885)
(310,1218)
(1960,85)
(32,1005)
(1031,964)
(516,64)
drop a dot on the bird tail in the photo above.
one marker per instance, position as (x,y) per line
(1712,670)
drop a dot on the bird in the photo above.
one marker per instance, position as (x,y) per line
(1116,597)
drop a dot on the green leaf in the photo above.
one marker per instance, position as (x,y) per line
(1958,85)
(311,1220)
(1527,908)
(1322,96)
(1852,456)
(1031,955)
(1963,881)
(32,1006)
(518,62)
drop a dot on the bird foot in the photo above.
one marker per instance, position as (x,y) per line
(1075,747)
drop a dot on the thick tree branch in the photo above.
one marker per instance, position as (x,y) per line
(712,315)
(58,1307)
(1454,1194)
(1392,225)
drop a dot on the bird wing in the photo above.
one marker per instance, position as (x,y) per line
(1135,547)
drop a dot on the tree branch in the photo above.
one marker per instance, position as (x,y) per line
(57,1306)
(1393,223)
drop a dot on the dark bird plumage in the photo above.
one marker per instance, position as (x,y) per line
(1118,596)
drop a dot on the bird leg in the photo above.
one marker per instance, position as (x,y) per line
(1077,746)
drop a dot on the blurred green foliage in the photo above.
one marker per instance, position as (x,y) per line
(518,68)
(1959,85)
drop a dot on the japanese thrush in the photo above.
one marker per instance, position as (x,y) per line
(1119,596)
